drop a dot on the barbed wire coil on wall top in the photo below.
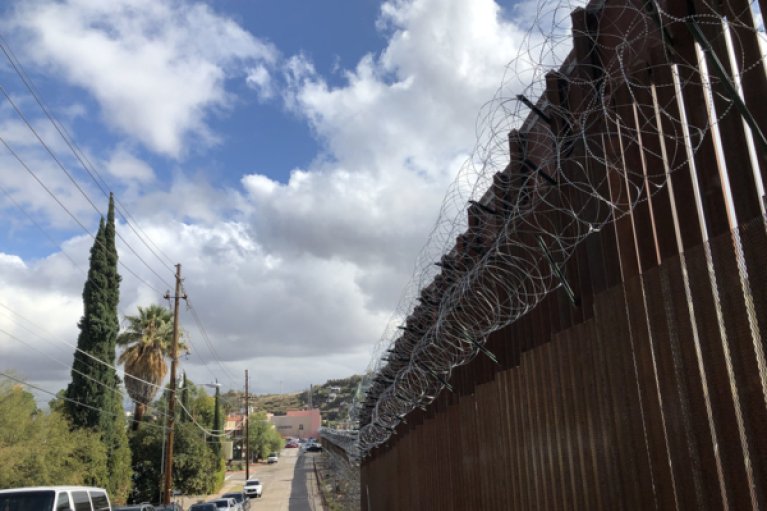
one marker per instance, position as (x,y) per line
(548,170)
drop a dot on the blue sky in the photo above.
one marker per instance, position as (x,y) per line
(293,156)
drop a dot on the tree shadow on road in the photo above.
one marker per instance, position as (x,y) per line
(300,497)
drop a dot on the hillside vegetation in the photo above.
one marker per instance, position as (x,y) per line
(333,398)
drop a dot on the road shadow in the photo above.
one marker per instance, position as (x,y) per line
(300,498)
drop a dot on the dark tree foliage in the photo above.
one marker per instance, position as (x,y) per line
(218,424)
(184,417)
(93,402)
(196,468)
(89,392)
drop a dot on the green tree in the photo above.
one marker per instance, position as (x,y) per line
(147,341)
(91,402)
(41,449)
(196,468)
(195,401)
(185,398)
(218,422)
(263,438)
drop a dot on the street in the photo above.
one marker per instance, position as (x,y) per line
(289,485)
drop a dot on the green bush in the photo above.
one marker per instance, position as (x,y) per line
(38,448)
(196,468)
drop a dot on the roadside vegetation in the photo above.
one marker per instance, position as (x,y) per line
(84,438)
(263,438)
(42,448)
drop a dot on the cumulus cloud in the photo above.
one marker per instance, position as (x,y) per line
(157,69)
(421,95)
(260,79)
(396,132)
(128,168)
(296,279)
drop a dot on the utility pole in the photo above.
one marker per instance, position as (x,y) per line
(172,396)
(247,433)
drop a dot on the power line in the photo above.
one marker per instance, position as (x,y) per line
(90,356)
(39,227)
(206,338)
(22,382)
(58,201)
(62,363)
(71,177)
(98,180)
(79,155)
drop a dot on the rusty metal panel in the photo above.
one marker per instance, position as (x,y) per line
(743,339)
(699,435)
(732,132)
(576,425)
(649,395)
(724,412)
(614,340)
(656,435)
(685,465)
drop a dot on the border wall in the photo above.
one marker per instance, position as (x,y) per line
(648,390)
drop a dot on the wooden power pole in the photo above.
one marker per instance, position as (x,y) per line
(172,395)
(247,433)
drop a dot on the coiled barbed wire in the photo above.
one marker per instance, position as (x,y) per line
(549,169)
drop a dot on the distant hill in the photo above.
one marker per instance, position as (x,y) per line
(333,398)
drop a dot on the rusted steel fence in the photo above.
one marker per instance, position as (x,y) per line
(650,390)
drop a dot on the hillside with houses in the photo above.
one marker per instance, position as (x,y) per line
(333,398)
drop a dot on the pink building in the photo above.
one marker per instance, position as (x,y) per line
(298,423)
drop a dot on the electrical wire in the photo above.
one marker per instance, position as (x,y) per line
(58,201)
(122,373)
(41,229)
(93,358)
(98,180)
(81,157)
(71,178)
(69,400)
(206,338)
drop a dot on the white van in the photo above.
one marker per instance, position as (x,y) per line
(55,498)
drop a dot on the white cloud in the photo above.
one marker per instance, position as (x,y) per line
(422,94)
(295,279)
(126,167)
(11,261)
(260,79)
(396,133)
(157,69)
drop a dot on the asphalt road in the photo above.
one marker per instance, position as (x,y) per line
(289,485)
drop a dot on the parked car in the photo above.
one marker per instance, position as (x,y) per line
(313,447)
(136,507)
(240,498)
(253,488)
(55,498)
(203,506)
(291,445)
(173,506)
(272,458)
(225,504)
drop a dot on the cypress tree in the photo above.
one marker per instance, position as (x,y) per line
(87,397)
(95,404)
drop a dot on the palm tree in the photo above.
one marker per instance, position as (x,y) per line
(148,340)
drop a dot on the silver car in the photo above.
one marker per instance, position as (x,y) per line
(240,498)
(227,504)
